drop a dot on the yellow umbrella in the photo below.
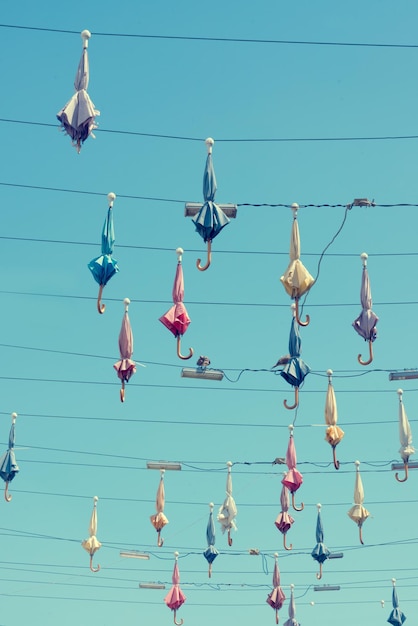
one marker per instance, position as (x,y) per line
(159,520)
(296,279)
(333,434)
(357,512)
(92,544)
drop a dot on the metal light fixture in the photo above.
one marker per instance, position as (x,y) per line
(404,375)
(337,555)
(151,586)
(326,588)
(134,554)
(401,466)
(192,208)
(163,465)
(202,371)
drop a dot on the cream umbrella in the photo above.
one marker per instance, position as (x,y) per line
(405,437)
(333,434)
(228,511)
(92,544)
(358,513)
(159,520)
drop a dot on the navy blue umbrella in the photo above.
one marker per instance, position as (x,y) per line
(396,617)
(8,465)
(104,266)
(295,369)
(210,219)
(211,552)
(320,552)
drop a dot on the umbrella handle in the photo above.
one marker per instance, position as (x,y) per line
(7,496)
(100,307)
(402,480)
(93,569)
(284,543)
(122,392)
(334,458)
(177,623)
(319,575)
(210,570)
(302,506)
(299,321)
(160,540)
(360,534)
(209,259)
(191,351)
(370,356)
(229,538)
(296,400)
(277,616)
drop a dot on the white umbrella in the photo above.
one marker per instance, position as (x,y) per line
(358,513)
(92,544)
(405,437)
(228,510)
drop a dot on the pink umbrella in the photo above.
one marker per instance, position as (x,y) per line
(176,319)
(175,597)
(293,478)
(276,598)
(125,368)
(159,520)
(284,521)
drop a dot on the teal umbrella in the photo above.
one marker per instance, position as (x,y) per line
(8,465)
(396,617)
(320,552)
(104,266)
(211,552)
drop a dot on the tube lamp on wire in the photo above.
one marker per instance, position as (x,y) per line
(163,465)
(134,554)
(404,375)
(202,370)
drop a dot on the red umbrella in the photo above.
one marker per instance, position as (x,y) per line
(125,368)
(293,478)
(276,598)
(176,319)
(284,521)
(175,597)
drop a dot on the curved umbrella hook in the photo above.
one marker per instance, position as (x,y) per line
(100,307)
(191,351)
(7,496)
(122,392)
(360,534)
(202,268)
(296,400)
(302,506)
(178,623)
(319,575)
(229,538)
(370,356)
(299,321)
(284,543)
(160,540)
(334,458)
(93,569)
(402,480)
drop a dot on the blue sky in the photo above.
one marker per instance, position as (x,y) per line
(342,118)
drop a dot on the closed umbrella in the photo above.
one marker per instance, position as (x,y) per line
(8,466)
(92,544)
(78,116)
(284,521)
(175,597)
(365,324)
(320,552)
(228,511)
(210,219)
(159,520)
(292,621)
(177,319)
(211,552)
(405,436)
(104,266)
(358,513)
(276,597)
(296,280)
(295,369)
(333,434)
(126,367)
(293,478)
(396,617)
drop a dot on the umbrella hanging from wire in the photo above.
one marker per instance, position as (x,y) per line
(366,322)
(177,319)
(210,219)
(358,513)
(294,369)
(125,368)
(296,280)
(104,266)
(333,434)
(175,597)
(284,521)
(92,544)
(293,478)
(228,511)
(276,597)
(159,520)
(78,116)
(396,617)
(8,466)
(320,552)
(211,552)
(405,436)
(292,609)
